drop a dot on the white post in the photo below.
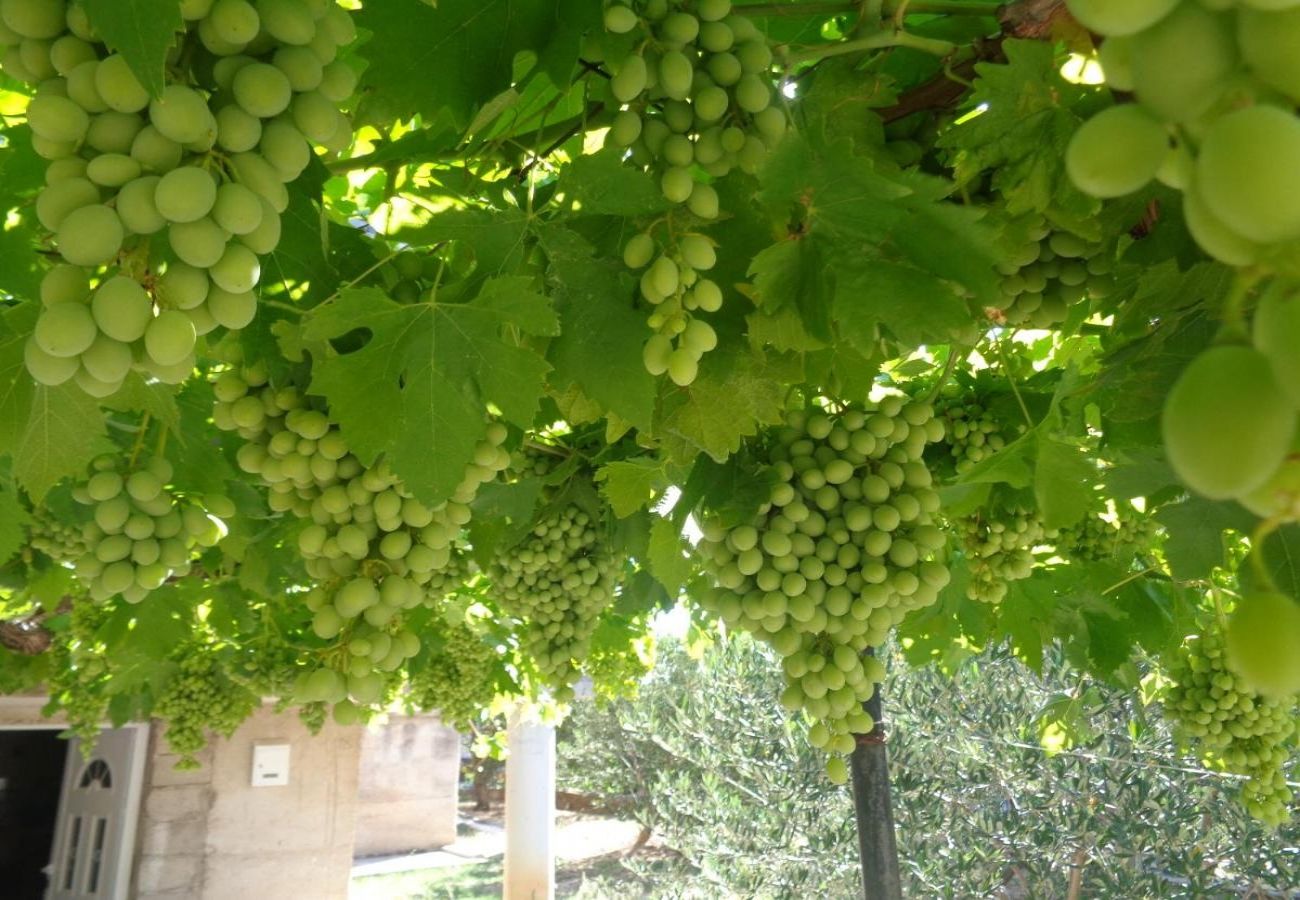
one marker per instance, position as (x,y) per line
(530,809)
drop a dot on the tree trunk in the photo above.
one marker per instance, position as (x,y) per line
(875,814)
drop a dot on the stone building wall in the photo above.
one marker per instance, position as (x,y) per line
(408,786)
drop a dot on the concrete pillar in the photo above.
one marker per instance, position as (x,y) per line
(530,809)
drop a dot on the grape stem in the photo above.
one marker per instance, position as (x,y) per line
(951,366)
(878,41)
(1015,389)
(1257,561)
(139,441)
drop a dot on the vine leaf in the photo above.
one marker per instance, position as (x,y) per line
(456,55)
(63,433)
(12,519)
(599,347)
(142,31)
(631,485)
(417,390)
(671,566)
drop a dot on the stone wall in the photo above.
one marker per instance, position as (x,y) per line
(209,834)
(410,770)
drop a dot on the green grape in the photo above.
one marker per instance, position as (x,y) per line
(107,360)
(285,148)
(1276,333)
(630,79)
(118,86)
(39,19)
(122,309)
(1181,64)
(1117,151)
(288,21)
(810,575)
(186,194)
(1246,176)
(1227,423)
(181,114)
(57,118)
(154,152)
(65,330)
(113,132)
(1049,271)
(1213,235)
(301,66)
(1263,644)
(676,74)
(112,169)
(136,207)
(1119,538)
(458,680)
(237,271)
(1116,59)
(170,338)
(90,236)
(56,202)
(1120,17)
(46,368)
(1268,39)
(237,131)
(262,90)
(200,243)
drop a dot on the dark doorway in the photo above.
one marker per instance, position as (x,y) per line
(31,776)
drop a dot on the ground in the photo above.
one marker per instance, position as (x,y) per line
(590,854)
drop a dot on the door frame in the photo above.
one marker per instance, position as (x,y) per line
(121,887)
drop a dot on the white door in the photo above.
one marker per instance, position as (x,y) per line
(94,838)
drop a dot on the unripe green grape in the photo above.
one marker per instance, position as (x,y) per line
(316,117)
(170,338)
(676,74)
(638,251)
(683,367)
(287,21)
(285,148)
(703,201)
(1213,234)
(620,19)
(154,152)
(107,360)
(1162,77)
(1116,59)
(755,56)
(1244,176)
(260,176)
(1263,643)
(118,86)
(713,10)
(182,286)
(1225,393)
(90,236)
(1268,40)
(237,271)
(58,200)
(716,37)
(45,368)
(180,114)
(185,195)
(1117,151)
(199,243)
(625,129)
(39,19)
(630,80)
(136,207)
(338,82)
(1120,17)
(725,69)
(262,90)
(57,118)
(266,236)
(112,169)
(234,21)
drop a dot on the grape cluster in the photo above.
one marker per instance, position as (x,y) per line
(142,532)
(160,206)
(841,552)
(972,432)
(693,81)
(1049,271)
(1236,729)
(1117,536)
(999,542)
(79,671)
(458,680)
(1216,86)
(557,582)
(375,549)
(59,541)
(201,697)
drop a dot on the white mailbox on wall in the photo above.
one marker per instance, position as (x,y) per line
(270,765)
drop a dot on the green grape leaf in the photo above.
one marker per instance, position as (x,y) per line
(418,389)
(631,485)
(16,386)
(602,333)
(734,395)
(1022,120)
(794,274)
(156,399)
(915,305)
(602,185)
(667,557)
(143,31)
(503,515)
(1063,483)
(13,521)
(1195,544)
(459,54)
(63,433)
